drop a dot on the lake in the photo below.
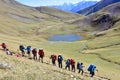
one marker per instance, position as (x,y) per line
(65,37)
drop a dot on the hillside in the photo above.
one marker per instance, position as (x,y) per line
(58,14)
(25,25)
(24,21)
(98,6)
(101,20)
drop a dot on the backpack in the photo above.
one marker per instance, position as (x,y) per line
(60,58)
(28,48)
(78,64)
(53,57)
(68,62)
(34,51)
(72,61)
(90,67)
(4,45)
(41,53)
(21,47)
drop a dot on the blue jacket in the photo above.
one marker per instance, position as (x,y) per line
(68,62)
(28,48)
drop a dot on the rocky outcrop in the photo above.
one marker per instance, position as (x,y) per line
(103,22)
(4,65)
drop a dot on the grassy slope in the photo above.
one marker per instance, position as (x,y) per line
(59,14)
(25,68)
(107,47)
(13,36)
(27,20)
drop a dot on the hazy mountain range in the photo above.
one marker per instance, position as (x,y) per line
(74,7)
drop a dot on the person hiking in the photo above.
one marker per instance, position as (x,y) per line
(81,68)
(53,58)
(92,69)
(4,46)
(28,50)
(60,59)
(22,49)
(34,52)
(72,61)
(8,52)
(67,64)
(41,54)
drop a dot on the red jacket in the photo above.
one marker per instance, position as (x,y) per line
(54,57)
(3,45)
(72,62)
(41,53)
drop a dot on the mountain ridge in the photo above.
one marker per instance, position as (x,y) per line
(97,6)
(74,7)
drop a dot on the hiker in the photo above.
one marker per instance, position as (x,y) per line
(81,68)
(4,46)
(34,52)
(92,69)
(41,54)
(53,57)
(8,52)
(72,61)
(28,50)
(60,59)
(67,64)
(22,49)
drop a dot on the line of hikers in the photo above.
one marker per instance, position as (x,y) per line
(69,62)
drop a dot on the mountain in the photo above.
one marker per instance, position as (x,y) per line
(75,7)
(82,5)
(64,7)
(98,6)
(102,20)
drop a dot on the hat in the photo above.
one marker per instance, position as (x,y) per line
(41,48)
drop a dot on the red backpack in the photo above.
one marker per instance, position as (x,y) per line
(3,45)
(41,53)
(54,57)
(72,61)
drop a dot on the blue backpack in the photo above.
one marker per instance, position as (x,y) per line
(68,62)
(90,67)
(60,58)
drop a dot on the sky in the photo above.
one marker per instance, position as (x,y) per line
(49,2)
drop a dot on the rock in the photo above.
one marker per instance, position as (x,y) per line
(5,65)
(71,76)
(75,79)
